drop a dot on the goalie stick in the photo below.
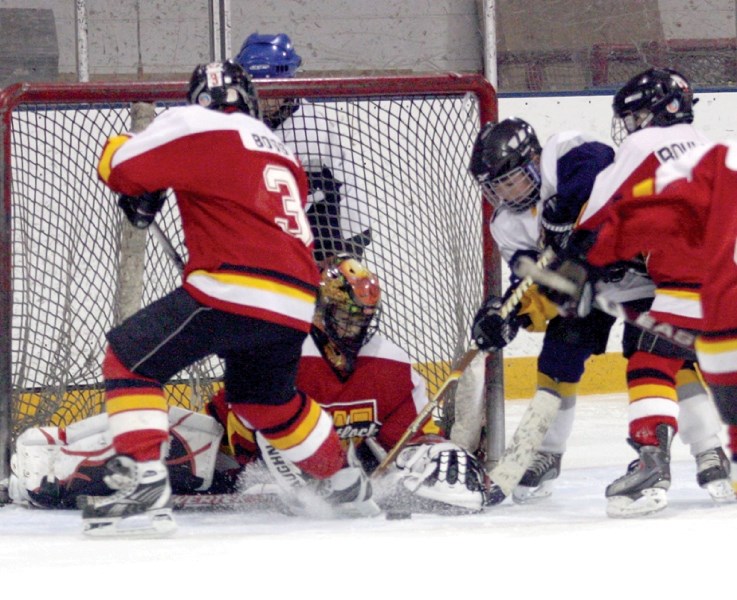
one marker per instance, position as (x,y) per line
(531,429)
(683,338)
(258,497)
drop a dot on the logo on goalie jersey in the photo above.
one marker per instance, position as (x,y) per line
(355,420)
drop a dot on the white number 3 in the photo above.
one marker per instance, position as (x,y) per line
(281,181)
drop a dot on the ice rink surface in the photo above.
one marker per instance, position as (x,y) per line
(564,547)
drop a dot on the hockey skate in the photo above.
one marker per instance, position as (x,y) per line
(713,475)
(642,490)
(538,481)
(141,506)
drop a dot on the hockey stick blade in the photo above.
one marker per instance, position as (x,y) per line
(251,500)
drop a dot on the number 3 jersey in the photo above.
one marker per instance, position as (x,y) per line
(241,194)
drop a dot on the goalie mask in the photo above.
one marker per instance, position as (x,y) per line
(347,312)
(654,98)
(506,164)
(223,86)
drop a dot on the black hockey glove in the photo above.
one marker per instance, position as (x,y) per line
(558,220)
(490,330)
(142,210)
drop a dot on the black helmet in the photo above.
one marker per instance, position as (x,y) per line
(504,164)
(223,86)
(654,98)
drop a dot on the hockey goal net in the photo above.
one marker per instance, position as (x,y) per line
(72,267)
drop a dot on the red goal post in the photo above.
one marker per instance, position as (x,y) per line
(70,267)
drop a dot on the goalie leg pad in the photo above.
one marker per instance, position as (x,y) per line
(32,466)
(194,440)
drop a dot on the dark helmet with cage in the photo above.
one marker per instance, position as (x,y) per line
(653,98)
(269,55)
(347,312)
(223,86)
(506,164)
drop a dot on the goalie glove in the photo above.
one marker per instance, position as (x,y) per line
(441,471)
(490,330)
(142,210)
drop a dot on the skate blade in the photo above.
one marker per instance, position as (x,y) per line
(721,491)
(523,494)
(153,524)
(653,500)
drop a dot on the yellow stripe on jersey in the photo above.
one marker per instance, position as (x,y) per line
(716,357)
(303,430)
(652,390)
(256,282)
(136,402)
(685,294)
(644,188)
(715,347)
(250,291)
(111,147)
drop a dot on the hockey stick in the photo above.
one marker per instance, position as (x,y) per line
(259,497)
(683,338)
(448,386)
(451,382)
(167,246)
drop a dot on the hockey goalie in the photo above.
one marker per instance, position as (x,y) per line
(362,379)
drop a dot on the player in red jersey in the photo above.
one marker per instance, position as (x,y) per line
(363,380)
(248,293)
(685,213)
(652,123)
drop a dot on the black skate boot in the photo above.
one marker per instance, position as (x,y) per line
(537,482)
(141,506)
(642,490)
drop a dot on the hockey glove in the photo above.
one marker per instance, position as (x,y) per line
(578,301)
(441,471)
(142,210)
(490,330)
(558,220)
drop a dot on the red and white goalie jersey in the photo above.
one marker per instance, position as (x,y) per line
(381,398)
(263,265)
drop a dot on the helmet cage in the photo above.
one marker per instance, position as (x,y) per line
(517,190)
(349,304)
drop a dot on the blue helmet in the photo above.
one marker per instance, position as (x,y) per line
(268,55)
